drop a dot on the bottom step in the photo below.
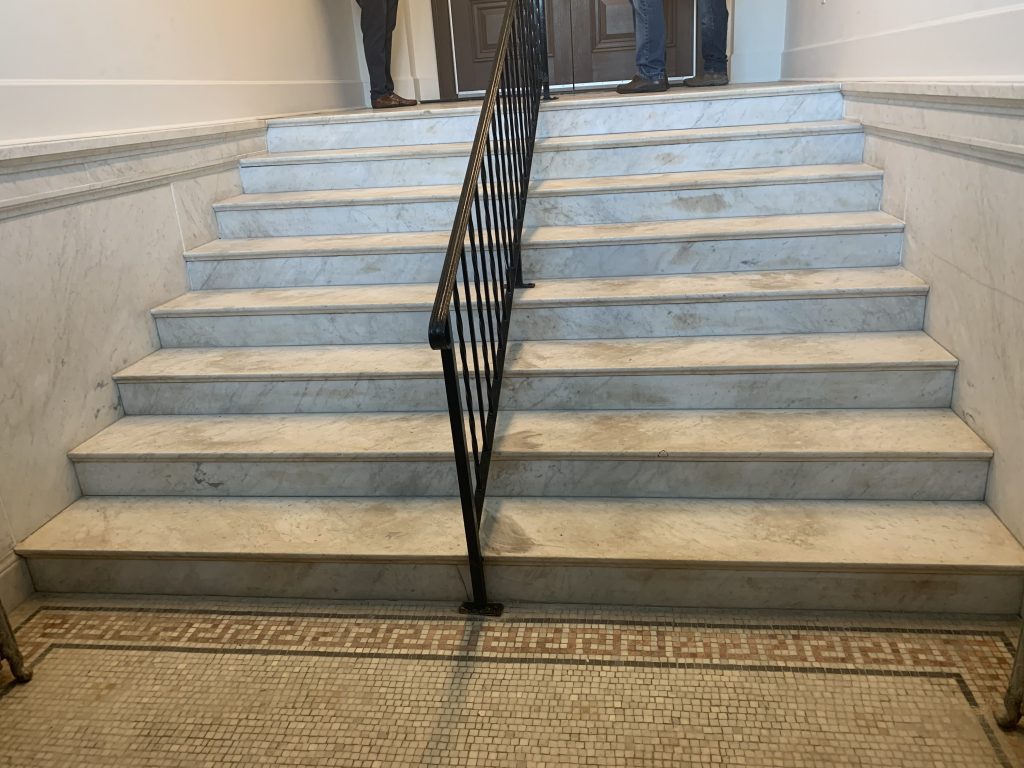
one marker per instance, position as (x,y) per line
(905,556)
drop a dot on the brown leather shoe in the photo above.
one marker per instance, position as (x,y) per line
(391,101)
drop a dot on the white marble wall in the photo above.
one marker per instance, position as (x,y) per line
(954,170)
(81,271)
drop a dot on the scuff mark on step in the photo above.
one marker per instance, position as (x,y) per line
(201,479)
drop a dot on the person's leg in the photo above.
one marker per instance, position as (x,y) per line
(392,22)
(373,20)
(714,34)
(649,21)
(649,17)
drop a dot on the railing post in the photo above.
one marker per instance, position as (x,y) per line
(471,516)
(1014,699)
(546,71)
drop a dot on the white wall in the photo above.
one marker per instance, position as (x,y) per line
(86,66)
(758,38)
(904,40)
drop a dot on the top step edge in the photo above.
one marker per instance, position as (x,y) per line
(443,110)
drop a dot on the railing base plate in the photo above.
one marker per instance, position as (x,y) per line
(487,609)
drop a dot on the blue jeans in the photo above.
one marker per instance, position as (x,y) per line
(649,19)
(714,31)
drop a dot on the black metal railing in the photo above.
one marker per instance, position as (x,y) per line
(483,266)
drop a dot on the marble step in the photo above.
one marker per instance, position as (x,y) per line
(695,149)
(821,240)
(721,304)
(921,454)
(562,202)
(872,370)
(906,556)
(590,114)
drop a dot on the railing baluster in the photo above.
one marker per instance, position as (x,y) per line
(483,265)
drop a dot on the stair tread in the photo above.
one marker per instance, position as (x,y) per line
(733,435)
(804,535)
(563,143)
(255,528)
(733,177)
(564,102)
(719,354)
(687,288)
(830,535)
(639,232)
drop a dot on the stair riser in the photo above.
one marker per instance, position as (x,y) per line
(564,210)
(675,205)
(616,161)
(835,315)
(233,578)
(867,389)
(700,156)
(596,260)
(651,116)
(925,480)
(646,115)
(354,174)
(554,583)
(380,218)
(295,271)
(739,589)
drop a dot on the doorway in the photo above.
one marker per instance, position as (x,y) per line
(591,43)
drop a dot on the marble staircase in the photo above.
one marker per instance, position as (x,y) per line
(719,393)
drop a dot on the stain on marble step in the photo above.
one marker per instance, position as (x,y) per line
(797,301)
(594,114)
(562,202)
(920,454)
(815,143)
(886,370)
(823,240)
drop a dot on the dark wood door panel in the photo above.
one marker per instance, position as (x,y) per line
(476,25)
(589,41)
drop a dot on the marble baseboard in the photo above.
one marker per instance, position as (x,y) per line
(844,389)
(796,590)
(240,578)
(15,582)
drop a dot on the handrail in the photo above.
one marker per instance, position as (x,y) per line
(483,263)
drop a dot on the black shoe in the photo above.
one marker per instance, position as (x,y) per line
(707,80)
(640,84)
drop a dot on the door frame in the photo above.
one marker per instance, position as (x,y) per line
(444,46)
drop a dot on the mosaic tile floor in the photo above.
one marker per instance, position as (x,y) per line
(203,683)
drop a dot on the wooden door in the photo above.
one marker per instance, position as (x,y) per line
(589,41)
(604,42)
(476,26)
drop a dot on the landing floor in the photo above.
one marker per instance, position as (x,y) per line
(166,682)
